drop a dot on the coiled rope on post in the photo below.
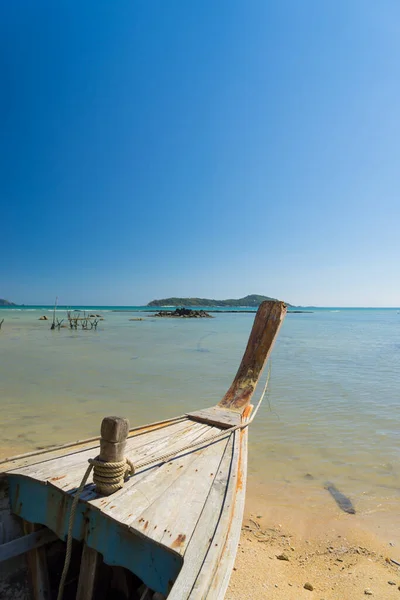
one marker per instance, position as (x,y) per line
(109,477)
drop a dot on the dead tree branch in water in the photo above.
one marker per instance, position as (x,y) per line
(53,325)
(1,323)
(86,322)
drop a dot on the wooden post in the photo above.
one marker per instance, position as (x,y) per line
(267,322)
(37,564)
(114,431)
(87,575)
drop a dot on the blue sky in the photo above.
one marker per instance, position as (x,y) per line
(200,148)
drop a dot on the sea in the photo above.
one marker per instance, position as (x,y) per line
(331,414)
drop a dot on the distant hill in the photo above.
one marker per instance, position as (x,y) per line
(253,300)
(6,303)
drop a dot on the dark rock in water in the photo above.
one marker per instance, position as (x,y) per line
(185,313)
(341,500)
(44,318)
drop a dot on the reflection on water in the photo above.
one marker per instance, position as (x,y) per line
(331,413)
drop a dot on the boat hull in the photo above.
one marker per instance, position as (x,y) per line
(195,555)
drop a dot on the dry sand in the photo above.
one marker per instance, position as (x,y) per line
(341,556)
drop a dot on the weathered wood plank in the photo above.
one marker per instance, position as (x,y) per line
(71,479)
(215,415)
(39,456)
(205,529)
(87,575)
(58,467)
(229,550)
(176,520)
(114,431)
(138,494)
(37,564)
(218,564)
(89,494)
(266,325)
(25,543)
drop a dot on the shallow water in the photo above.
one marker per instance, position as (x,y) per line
(331,413)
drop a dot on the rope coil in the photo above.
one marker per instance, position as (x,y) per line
(109,477)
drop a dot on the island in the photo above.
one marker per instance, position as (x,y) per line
(251,301)
(6,303)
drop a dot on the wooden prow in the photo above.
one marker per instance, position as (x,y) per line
(266,325)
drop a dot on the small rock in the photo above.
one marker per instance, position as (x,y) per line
(282,557)
(44,318)
(368,592)
(391,582)
(308,586)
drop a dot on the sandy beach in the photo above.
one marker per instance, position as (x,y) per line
(337,556)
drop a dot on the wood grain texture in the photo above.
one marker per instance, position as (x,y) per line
(37,564)
(227,557)
(28,542)
(42,455)
(173,516)
(266,325)
(59,466)
(151,487)
(87,575)
(215,415)
(213,578)
(204,533)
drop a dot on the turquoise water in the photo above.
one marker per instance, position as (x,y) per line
(332,411)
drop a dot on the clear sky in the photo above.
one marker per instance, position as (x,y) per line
(200,148)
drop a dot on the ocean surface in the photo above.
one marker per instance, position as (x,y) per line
(331,413)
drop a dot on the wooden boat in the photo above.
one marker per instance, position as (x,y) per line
(170,530)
